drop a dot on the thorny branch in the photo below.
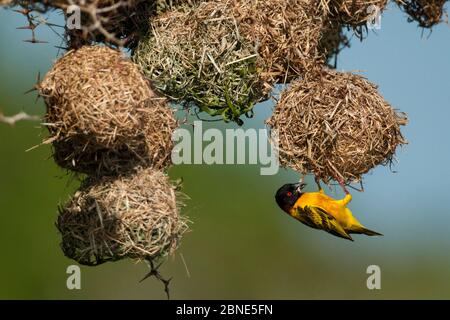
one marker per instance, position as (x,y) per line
(154,272)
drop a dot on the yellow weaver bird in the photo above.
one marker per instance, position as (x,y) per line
(319,211)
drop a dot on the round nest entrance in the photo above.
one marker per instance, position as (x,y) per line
(336,126)
(133,216)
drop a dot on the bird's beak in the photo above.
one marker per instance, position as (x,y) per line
(300,186)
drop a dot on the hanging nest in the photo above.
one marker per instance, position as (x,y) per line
(102,115)
(225,56)
(354,13)
(199,57)
(286,33)
(133,216)
(426,12)
(336,126)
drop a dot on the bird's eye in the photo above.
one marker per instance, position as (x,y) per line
(289,194)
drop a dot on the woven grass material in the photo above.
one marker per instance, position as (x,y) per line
(426,12)
(134,216)
(333,41)
(5,2)
(353,13)
(336,126)
(286,32)
(102,115)
(224,56)
(200,58)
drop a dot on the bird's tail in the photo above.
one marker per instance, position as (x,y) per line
(363,230)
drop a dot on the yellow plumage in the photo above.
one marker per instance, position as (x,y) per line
(320,211)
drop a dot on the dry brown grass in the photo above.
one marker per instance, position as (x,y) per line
(426,12)
(135,216)
(118,23)
(353,13)
(336,126)
(198,57)
(224,56)
(286,33)
(102,114)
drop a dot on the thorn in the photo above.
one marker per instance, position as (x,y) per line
(154,272)
(23,11)
(29,27)
(53,25)
(31,90)
(35,41)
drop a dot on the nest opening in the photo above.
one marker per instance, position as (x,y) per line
(132,216)
(102,114)
(336,126)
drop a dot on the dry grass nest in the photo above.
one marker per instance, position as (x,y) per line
(333,41)
(426,12)
(336,126)
(354,13)
(134,216)
(225,56)
(102,114)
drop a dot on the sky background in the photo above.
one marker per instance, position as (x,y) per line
(241,245)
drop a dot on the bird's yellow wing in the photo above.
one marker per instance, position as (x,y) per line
(318,218)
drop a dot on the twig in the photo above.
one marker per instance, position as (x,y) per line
(11,120)
(155,273)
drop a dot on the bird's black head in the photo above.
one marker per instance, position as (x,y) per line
(288,194)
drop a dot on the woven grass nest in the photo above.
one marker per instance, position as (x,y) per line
(225,56)
(336,126)
(102,114)
(333,41)
(109,219)
(426,12)
(353,13)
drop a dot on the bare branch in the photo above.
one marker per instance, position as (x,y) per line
(11,120)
